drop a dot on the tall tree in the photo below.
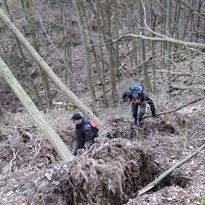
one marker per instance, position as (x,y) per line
(146,80)
(44,79)
(83,108)
(49,132)
(152,21)
(110,49)
(79,7)
(168,47)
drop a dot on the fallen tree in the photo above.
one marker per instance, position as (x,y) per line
(44,126)
(161,39)
(39,60)
(178,108)
(169,171)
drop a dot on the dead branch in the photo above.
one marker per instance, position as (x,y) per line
(202,16)
(161,39)
(178,108)
(11,162)
(169,171)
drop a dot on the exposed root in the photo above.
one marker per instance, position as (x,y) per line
(11,162)
(107,174)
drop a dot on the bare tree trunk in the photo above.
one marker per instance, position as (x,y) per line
(100,73)
(143,49)
(80,13)
(168,61)
(176,26)
(35,90)
(191,21)
(49,132)
(116,31)
(198,22)
(1,112)
(102,67)
(153,45)
(169,171)
(186,25)
(83,108)
(163,27)
(44,79)
(66,23)
(29,77)
(110,50)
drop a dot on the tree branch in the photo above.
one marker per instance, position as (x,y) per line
(169,171)
(161,39)
(202,16)
(178,108)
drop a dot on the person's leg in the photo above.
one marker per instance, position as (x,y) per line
(134,109)
(141,113)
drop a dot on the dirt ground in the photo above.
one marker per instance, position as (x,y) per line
(124,159)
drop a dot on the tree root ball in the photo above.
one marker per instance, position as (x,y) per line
(106,174)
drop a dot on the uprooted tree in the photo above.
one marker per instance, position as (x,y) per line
(49,132)
(169,171)
(83,108)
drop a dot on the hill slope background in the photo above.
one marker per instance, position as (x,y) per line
(126,160)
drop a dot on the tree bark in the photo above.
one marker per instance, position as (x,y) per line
(110,49)
(79,7)
(176,109)
(153,45)
(163,39)
(26,4)
(143,50)
(83,108)
(168,47)
(198,21)
(35,90)
(49,132)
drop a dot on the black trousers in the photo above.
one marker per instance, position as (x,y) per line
(138,116)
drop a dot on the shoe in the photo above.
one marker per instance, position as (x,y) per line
(135,122)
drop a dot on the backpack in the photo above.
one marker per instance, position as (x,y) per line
(136,87)
(94,128)
(93,125)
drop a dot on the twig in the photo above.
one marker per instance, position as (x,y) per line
(39,148)
(12,160)
(169,171)
(178,108)
(49,38)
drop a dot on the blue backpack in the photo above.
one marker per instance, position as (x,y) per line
(136,87)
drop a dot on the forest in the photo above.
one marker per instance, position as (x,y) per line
(60,57)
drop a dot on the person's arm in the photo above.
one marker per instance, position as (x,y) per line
(151,104)
(75,151)
(127,94)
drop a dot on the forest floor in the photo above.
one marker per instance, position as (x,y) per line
(111,171)
(124,159)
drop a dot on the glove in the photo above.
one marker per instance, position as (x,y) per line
(154,114)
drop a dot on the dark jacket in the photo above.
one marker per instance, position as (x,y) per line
(144,98)
(84,135)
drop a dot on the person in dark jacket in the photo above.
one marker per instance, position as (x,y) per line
(83,132)
(139,99)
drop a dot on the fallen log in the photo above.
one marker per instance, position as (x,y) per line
(169,171)
(178,108)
